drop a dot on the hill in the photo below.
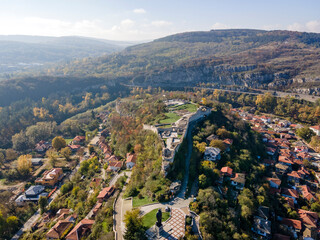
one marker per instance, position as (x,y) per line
(20,53)
(254,58)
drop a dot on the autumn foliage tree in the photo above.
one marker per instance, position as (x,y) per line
(24,165)
(58,143)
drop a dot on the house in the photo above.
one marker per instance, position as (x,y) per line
(285,160)
(316,129)
(74,148)
(274,182)
(294,177)
(42,146)
(131,160)
(32,194)
(271,151)
(228,142)
(308,218)
(95,182)
(211,137)
(79,140)
(226,171)
(290,193)
(96,208)
(265,119)
(263,212)
(239,180)
(60,228)
(281,168)
(105,194)
(51,177)
(36,161)
(81,230)
(301,149)
(292,225)
(114,166)
(212,154)
(306,193)
(261,227)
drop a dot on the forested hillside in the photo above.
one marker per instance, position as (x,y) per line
(256,58)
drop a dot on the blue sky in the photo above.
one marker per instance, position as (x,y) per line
(149,19)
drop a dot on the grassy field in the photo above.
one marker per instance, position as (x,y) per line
(189,107)
(68,140)
(150,219)
(171,118)
(136,202)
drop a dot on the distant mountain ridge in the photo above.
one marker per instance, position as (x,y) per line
(20,53)
(255,58)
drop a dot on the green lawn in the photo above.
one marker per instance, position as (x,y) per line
(136,202)
(189,107)
(68,140)
(150,219)
(171,118)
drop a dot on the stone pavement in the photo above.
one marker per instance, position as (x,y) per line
(173,228)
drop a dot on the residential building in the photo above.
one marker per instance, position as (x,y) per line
(316,129)
(81,230)
(274,182)
(226,171)
(79,140)
(131,160)
(59,230)
(292,225)
(105,194)
(114,166)
(239,180)
(290,193)
(51,177)
(262,227)
(212,154)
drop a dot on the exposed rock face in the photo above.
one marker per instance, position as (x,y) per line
(223,74)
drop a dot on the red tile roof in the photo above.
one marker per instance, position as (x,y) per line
(308,217)
(227,170)
(290,192)
(106,192)
(76,232)
(296,224)
(275,180)
(131,158)
(316,127)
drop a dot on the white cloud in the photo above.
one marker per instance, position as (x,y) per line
(126,29)
(139,11)
(160,23)
(220,26)
(311,26)
(127,23)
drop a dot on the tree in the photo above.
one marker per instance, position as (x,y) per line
(43,201)
(52,155)
(266,102)
(135,229)
(305,133)
(66,153)
(201,146)
(24,165)
(20,141)
(91,149)
(1,159)
(315,143)
(11,154)
(218,144)
(58,143)
(12,223)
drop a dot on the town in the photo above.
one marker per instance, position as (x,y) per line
(89,186)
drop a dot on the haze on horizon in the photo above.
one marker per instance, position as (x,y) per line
(140,20)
